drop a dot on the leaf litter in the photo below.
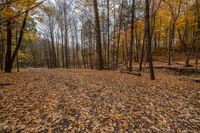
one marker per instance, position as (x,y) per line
(73,100)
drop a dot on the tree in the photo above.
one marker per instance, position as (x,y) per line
(132,35)
(98,36)
(108,24)
(148,37)
(8,60)
(10,14)
(20,38)
(119,32)
(175,9)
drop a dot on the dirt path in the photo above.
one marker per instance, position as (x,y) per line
(73,100)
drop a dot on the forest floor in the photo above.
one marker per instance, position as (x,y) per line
(74,100)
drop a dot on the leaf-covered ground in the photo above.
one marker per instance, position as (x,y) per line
(62,100)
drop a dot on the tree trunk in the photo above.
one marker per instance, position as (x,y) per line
(98,37)
(126,46)
(114,35)
(187,61)
(20,38)
(171,41)
(17,52)
(132,35)
(53,50)
(50,55)
(197,57)
(108,23)
(2,53)
(147,30)
(67,53)
(8,60)
(77,49)
(58,55)
(119,34)
(142,52)
(17,62)
(62,47)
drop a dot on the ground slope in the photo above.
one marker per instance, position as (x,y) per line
(62,100)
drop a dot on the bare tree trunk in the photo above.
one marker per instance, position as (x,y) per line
(119,33)
(137,38)
(20,38)
(108,23)
(187,61)
(159,35)
(147,30)
(132,35)
(98,36)
(62,47)
(8,60)
(104,52)
(197,57)
(2,52)
(17,51)
(50,55)
(77,48)
(17,62)
(58,55)
(174,14)
(83,49)
(198,36)
(114,35)
(73,51)
(171,41)
(142,52)
(53,51)
(126,46)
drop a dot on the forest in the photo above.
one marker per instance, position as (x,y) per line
(118,66)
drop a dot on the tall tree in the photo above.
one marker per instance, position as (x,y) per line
(20,38)
(174,11)
(108,24)
(119,32)
(148,38)
(132,35)
(98,36)
(8,60)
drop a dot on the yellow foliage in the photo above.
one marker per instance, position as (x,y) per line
(15,8)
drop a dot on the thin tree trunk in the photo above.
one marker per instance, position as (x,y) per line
(53,50)
(77,49)
(17,52)
(171,41)
(187,61)
(17,62)
(108,23)
(50,55)
(119,34)
(58,55)
(62,47)
(142,53)
(174,16)
(2,50)
(20,38)
(126,46)
(132,36)
(67,53)
(114,35)
(137,39)
(197,57)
